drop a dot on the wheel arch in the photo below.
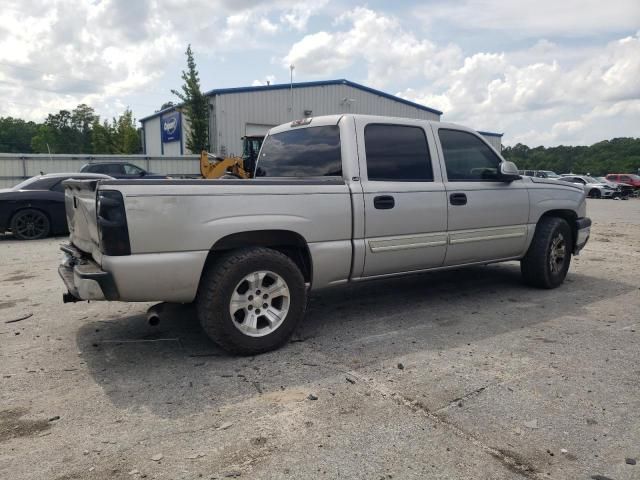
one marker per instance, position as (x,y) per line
(288,242)
(569,216)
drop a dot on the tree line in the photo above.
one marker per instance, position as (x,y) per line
(71,131)
(618,155)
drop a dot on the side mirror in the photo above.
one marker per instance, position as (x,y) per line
(143,173)
(509,172)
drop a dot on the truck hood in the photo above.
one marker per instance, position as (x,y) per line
(557,183)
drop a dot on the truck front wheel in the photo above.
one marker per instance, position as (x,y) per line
(547,261)
(250,301)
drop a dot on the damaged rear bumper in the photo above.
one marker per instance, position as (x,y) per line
(84,278)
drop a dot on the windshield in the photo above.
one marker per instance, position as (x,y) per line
(551,174)
(635,177)
(306,152)
(590,179)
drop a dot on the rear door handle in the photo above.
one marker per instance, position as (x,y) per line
(458,199)
(384,202)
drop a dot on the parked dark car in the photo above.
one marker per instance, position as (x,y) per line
(35,208)
(120,170)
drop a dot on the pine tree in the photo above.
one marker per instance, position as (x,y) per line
(195,106)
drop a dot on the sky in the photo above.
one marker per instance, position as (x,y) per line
(544,72)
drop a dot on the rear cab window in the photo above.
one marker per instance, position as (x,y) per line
(397,153)
(304,152)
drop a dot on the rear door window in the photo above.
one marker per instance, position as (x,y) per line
(397,153)
(305,152)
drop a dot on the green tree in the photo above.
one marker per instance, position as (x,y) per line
(66,131)
(16,135)
(195,106)
(101,137)
(44,140)
(126,138)
(617,155)
(82,119)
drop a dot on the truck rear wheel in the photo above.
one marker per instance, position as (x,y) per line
(547,261)
(250,301)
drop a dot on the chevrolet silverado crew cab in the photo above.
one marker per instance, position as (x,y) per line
(335,200)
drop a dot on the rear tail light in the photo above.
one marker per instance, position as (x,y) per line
(112,224)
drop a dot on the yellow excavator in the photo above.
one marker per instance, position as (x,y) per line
(213,166)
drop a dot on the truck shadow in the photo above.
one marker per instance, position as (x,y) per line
(174,370)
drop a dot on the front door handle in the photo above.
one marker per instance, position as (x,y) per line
(458,199)
(384,202)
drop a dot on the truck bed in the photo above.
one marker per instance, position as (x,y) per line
(177,223)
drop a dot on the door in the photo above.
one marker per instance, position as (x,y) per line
(404,198)
(487,217)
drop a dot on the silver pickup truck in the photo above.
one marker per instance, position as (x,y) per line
(335,199)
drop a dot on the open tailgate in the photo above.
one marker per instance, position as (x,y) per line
(80,205)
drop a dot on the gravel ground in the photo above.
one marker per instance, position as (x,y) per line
(460,375)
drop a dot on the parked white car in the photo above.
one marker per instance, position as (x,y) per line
(540,174)
(592,187)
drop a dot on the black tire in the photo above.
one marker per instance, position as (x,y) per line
(595,193)
(30,224)
(536,266)
(222,278)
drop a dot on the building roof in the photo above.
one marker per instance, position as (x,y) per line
(285,86)
(490,134)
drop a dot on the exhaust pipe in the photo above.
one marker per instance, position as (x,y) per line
(153,314)
(69,298)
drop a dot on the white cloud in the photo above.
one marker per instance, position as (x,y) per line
(268,80)
(55,55)
(380,41)
(299,14)
(488,92)
(549,92)
(566,18)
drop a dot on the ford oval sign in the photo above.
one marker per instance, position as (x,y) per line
(170,123)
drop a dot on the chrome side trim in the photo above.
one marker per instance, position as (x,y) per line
(484,234)
(440,239)
(408,242)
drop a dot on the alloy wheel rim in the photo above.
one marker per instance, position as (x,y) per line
(30,225)
(557,253)
(259,303)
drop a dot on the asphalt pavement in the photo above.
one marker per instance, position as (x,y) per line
(464,374)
